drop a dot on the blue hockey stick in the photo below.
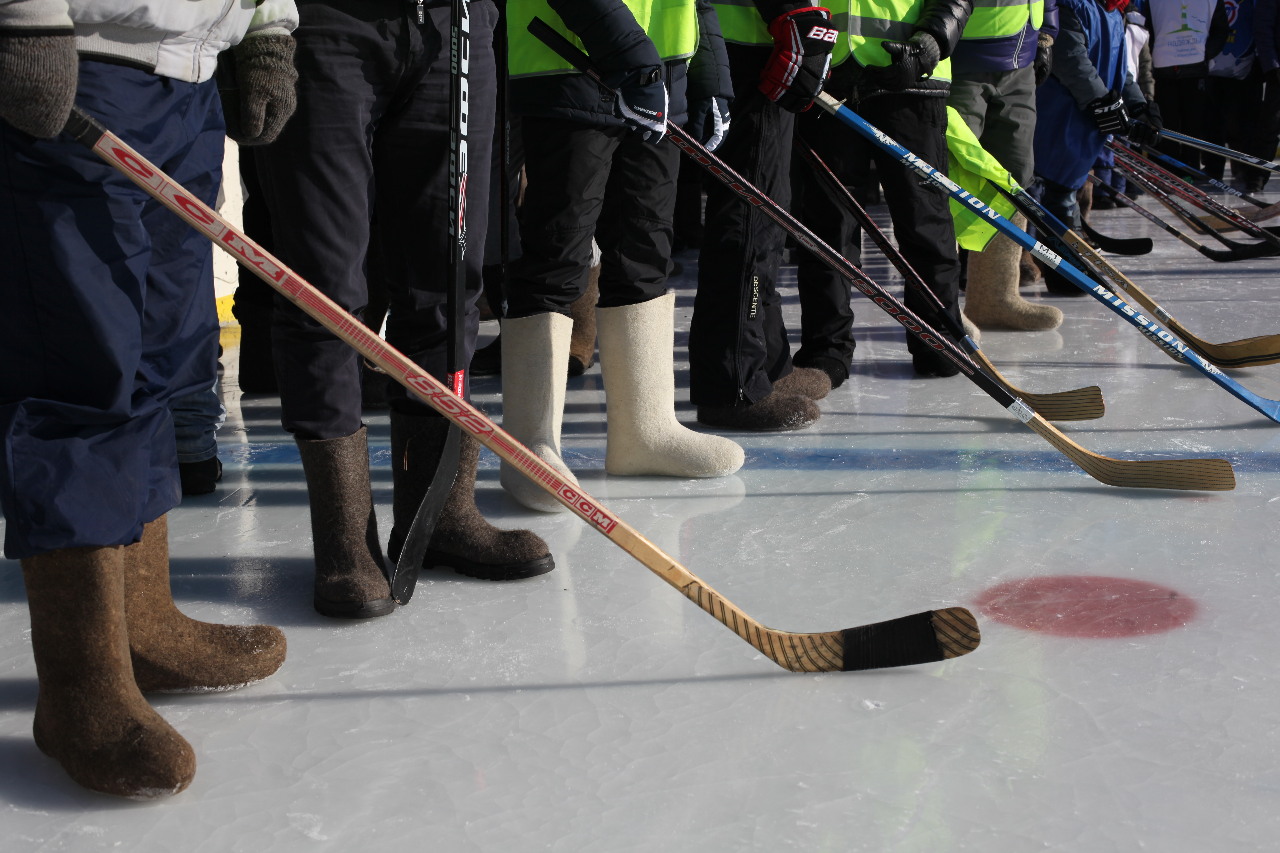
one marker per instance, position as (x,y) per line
(1158,334)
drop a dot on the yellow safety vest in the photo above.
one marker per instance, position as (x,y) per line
(672,25)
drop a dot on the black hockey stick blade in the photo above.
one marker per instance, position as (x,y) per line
(933,635)
(1118,245)
(404,574)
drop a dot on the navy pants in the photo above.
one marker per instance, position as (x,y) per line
(363,166)
(106,314)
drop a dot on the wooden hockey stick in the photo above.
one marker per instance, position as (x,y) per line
(1264,349)
(1080,404)
(930,635)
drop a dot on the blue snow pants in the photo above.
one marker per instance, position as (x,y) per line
(106,313)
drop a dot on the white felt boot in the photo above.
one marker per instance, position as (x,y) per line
(639,385)
(991,295)
(535,367)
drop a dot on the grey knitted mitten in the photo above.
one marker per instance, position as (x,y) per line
(264,94)
(39,74)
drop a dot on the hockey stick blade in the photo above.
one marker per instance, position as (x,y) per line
(923,638)
(1118,245)
(408,564)
(1079,404)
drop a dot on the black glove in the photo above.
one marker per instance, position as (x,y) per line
(258,88)
(1043,63)
(640,100)
(1108,113)
(910,62)
(801,58)
(709,121)
(1146,124)
(39,74)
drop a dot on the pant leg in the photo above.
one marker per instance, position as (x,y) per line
(317,181)
(635,227)
(106,319)
(568,167)
(922,223)
(826,310)
(737,340)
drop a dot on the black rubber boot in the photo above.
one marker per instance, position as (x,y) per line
(350,576)
(463,540)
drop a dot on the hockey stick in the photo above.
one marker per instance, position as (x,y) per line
(1220,255)
(1080,404)
(404,575)
(1243,353)
(1117,245)
(1207,474)
(1269,212)
(1235,251)
(931,635)
(1220,150)
(1170,162)
(1190,193)
(1160,336)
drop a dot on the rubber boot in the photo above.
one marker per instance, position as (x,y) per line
(992,299)
(582,343)
(535,358)
(644,437)
(173,653)
(463,540)
(90,715)
(350,580)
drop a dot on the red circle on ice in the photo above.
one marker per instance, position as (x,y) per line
(1075,606)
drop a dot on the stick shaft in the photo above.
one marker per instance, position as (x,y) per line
(1220,150)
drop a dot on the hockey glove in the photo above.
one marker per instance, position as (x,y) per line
(262,97)
(39,74)
(801,58)
(910,62)
(1043,63)
(1146,124)
(709,121)
(1108,113)
(641,102)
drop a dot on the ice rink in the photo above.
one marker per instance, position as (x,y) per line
(1122,699)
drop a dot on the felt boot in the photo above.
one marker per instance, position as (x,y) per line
(350,579)
(582,343)
(173,653)
(971,328)
(90,715)
(535,358)
(778,412)
(992,300)
(1028,270)
(462,540)
(636,361)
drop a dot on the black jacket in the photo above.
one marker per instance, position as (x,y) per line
(617,44)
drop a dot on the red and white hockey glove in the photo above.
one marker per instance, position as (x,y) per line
(801,58)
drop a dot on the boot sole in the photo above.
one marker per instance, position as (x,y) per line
(354,609)
(486,571)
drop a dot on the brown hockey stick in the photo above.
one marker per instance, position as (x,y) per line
(1079,404)
(931,635)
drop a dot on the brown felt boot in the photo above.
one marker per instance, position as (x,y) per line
(991,298)
(173,653)
(463,540)
(806,381)
(582,343)
(90,715)
(350,580)
(1028,270)
(777,412)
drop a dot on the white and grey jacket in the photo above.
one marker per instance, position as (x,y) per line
(174,38)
